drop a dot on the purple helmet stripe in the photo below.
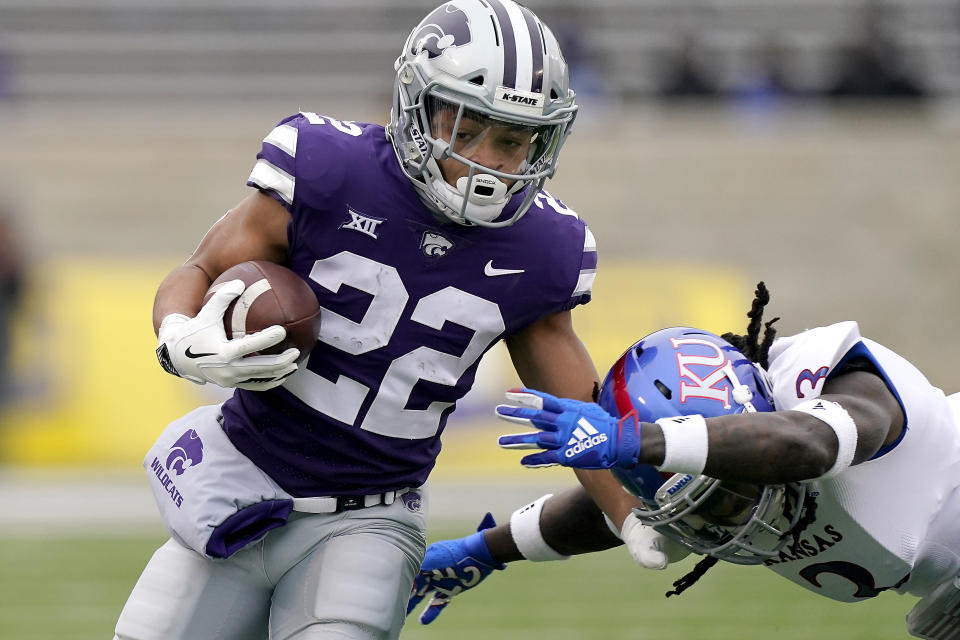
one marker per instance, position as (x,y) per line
(509,44)
(536,45)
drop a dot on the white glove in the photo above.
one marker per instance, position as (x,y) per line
(648,547)
(197,348)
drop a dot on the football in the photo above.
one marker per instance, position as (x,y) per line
(273,295)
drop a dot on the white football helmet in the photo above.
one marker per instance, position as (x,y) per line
(486,64)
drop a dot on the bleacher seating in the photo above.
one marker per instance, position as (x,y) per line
(181,49)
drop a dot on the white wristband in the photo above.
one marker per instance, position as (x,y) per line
(684,444)
(525,529)
(841,423)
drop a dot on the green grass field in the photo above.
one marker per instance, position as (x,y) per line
(74,588)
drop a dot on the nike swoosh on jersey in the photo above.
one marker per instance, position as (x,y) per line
(490,270)
(191,354)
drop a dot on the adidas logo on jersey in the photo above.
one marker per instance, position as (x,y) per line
(585,436)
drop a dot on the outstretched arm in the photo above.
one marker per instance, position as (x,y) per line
(549,355)
(786,446)
(566,524)
(570,522)
(768,448)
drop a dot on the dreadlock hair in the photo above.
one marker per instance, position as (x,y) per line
(757,351)
(750,344)
(806,519)
(690,578)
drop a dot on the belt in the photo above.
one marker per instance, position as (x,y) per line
(336,504)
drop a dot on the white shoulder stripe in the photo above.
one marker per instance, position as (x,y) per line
(585,282)
(268,177)
(312,117)
(589,242)
(284,138)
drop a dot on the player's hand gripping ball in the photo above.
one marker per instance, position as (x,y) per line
(274,295)
(257,321)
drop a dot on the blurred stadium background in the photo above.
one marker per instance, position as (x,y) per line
(812,144)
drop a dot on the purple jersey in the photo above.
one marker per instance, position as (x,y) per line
(409,305)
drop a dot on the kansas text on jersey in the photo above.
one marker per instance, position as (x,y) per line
(882,524)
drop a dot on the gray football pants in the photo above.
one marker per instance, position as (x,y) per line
(325,577)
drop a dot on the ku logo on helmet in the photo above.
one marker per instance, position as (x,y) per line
(703,386)
(447,26)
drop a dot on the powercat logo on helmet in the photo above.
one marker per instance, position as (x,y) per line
(523,101)
(447,26)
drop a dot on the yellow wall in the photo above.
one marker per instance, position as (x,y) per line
(91,391)
(93,394)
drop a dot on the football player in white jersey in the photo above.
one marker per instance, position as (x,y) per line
(297,508)
(790,452)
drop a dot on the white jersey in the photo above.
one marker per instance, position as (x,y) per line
(885,523)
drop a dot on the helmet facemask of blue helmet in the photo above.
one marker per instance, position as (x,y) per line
(686,371)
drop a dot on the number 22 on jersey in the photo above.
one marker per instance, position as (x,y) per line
(387,416)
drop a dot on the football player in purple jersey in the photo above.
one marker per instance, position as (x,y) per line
(791,453)
(299,509)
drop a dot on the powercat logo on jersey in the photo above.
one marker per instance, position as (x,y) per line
(434,245)
(702,386)
(185,453)
(447,26)
(585,436)
(525,101)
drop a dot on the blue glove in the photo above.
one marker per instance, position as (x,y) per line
(573,433)
(451,567)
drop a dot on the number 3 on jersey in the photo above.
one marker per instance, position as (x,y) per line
(387,416)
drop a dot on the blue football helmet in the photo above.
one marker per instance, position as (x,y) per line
(685,371)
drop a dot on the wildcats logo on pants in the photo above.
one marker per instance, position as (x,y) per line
(185,453)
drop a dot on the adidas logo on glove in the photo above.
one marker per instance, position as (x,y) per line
(585,436)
